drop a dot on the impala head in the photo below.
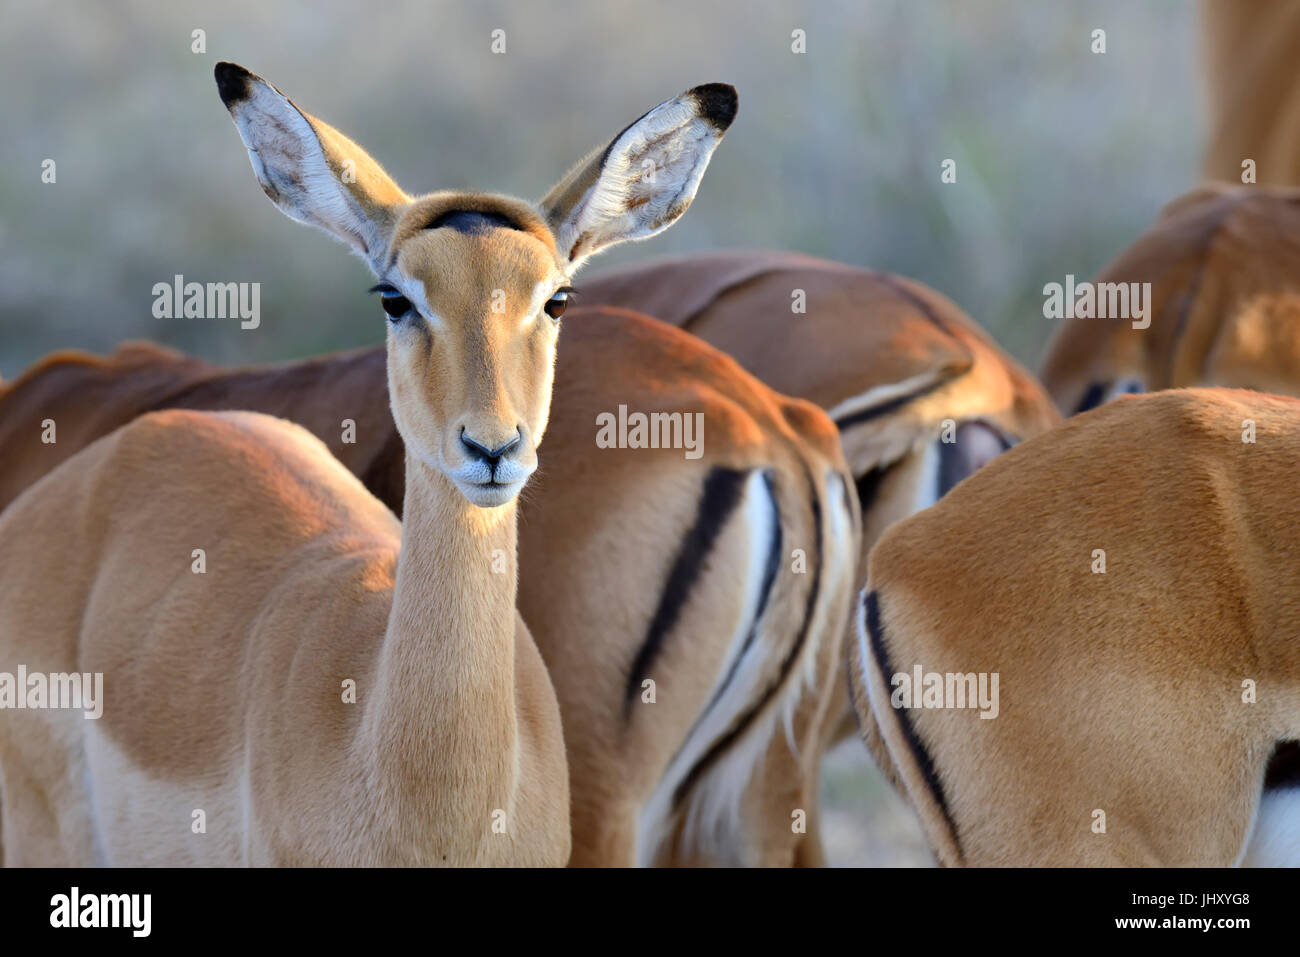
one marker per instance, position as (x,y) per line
(473,284)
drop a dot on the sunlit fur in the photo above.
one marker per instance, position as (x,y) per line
(599,529)
(866,340)
(1123,691)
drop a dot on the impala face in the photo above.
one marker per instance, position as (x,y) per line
(473,302)
(474,284)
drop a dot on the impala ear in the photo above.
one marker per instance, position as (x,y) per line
(313,172)
(641,182)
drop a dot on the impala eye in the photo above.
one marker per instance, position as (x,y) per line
(395,306)
(394,303)
(556,305)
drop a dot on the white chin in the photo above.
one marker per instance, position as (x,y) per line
(489,496)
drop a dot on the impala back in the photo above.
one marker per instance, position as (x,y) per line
(1223,269)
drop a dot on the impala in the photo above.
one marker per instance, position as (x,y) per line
(896,360)
(677,632)
(921,396)
(1222,262)
(1130,579)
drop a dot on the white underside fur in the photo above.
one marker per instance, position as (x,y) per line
(1275,839)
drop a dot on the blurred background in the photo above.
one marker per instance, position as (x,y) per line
(1063,157)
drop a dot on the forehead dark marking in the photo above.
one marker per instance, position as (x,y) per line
(469,214)
(472,222)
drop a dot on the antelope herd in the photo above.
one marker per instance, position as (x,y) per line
(642,658)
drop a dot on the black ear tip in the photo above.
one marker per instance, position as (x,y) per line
(232,82)
(718,103)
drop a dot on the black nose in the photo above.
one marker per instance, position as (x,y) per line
(481,453)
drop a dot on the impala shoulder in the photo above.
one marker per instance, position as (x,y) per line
(177,435)
(200,422)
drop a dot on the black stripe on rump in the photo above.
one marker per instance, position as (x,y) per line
(876,632)
(720,746)
(722,490)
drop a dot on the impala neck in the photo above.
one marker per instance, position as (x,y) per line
(456,573)
(445,682)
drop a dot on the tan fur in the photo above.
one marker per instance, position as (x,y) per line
(1224,264)
(863,331)
(592,520)
(1120,692)
(600,530)
(1250,51)
(223,691)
